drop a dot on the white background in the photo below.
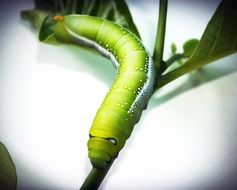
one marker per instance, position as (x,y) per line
(49,95)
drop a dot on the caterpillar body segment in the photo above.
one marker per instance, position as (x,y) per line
(131,90)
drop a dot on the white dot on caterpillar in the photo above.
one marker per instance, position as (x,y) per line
(106,45)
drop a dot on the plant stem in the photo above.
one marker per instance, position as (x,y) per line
(160,37)
(173,59)
(95,178)
(188,66)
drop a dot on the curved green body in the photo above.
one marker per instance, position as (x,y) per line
(131,90)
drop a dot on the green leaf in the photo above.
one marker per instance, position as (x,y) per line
(123,16)
(8,178)
(173,48)
(189,47)
(218,40)
(35,17)
(46,30)
(114,10)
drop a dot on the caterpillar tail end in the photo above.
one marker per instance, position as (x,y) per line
(98,163)
(98,158)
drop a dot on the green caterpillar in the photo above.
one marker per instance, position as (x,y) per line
(131,90)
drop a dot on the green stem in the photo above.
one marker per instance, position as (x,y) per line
(173,59)
(162,80)
(187,67)
(160,36)
(95,178)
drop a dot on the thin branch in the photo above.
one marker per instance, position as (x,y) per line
(95,178)
(173,59)
(160,36)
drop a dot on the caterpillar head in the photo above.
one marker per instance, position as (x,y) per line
(102,151)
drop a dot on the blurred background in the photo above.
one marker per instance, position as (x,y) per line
(185,140)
